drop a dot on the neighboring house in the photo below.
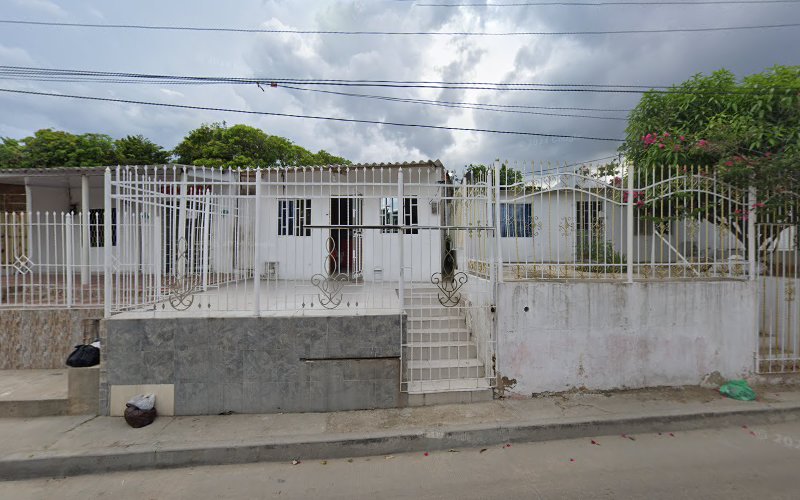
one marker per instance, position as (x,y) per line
(569,218)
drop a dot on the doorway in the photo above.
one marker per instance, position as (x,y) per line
(347,244)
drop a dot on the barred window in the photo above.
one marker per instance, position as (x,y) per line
(390,214)
(515,220)
(293,217)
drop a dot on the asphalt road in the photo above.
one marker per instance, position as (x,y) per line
(761,462)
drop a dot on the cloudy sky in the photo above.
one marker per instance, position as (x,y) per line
(641,59)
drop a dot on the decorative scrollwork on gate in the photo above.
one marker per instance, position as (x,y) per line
(182,288)
(330,287)
(449,287)
(331,283)
(181,293)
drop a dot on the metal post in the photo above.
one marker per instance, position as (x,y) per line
(107,228)
(630,223)
(29,216)
(257,248)
(751,231)
(157,253)
(84,229)
(206,234)
(182,256)
(401,288)
(68,257)
(497,240)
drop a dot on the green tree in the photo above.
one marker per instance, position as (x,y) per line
(138,150)
(746,132)
(11,153)
(217,145)
(508,176)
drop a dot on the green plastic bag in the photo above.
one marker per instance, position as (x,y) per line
(738,389)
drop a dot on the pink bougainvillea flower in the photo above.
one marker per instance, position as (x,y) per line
(660,145)
(702,143)
(682,138)
(666,134)
(728,163)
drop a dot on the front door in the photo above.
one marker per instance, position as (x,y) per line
(346,247)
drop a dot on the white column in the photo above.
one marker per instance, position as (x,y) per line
(630,222)
(69,264)
(401,287)
(257,248)
(751,232)
(107,228)
(84,229)
(497,240)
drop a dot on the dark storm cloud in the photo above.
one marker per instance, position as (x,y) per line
(630,59)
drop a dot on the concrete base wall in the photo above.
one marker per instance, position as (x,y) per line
(617,335)
(43,338)
(258,365)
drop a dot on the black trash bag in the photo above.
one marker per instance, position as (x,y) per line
(139,418)
(83,356)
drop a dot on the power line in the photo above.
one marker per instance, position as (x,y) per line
(309,117)
(605,4)
(49,74)
(389,33)
(451,104)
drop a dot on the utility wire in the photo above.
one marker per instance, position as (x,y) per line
(18,72)
(451,104)
(390,33)
(605,4)
(309,117)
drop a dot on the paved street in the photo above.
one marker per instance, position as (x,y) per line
(730,463)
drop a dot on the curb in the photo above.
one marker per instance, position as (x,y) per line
(28,465)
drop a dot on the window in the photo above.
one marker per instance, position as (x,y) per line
(293,217)
(588,215)
(97,229)
(390,215)
(515,220)
(410,214)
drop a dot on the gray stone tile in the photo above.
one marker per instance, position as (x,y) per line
(258,365)
(387,394)
(216,401)
(159,334)
(191,333)
(232,397)
(158,367)
(191,398)
(124,368)
(227,365)
(193,365)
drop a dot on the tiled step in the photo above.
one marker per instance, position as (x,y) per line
(423,351)
(418,323)
(427,312)
(446,385)
(417,370)
(437,335)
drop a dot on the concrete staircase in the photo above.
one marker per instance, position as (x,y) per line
(440,357)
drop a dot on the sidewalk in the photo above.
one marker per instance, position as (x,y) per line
(59,446)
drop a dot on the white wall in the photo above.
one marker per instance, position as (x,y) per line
(617,335)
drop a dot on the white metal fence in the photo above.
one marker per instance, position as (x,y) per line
(50,260)
(621,224)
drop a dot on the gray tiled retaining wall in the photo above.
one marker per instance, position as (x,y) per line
(259,365)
